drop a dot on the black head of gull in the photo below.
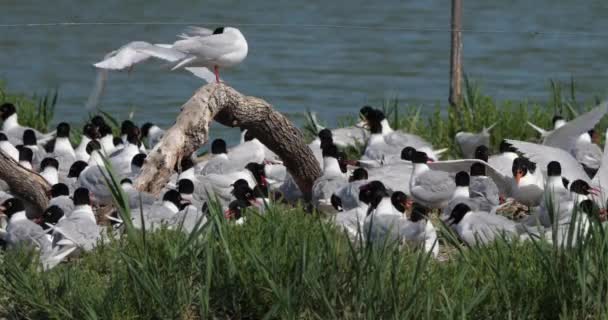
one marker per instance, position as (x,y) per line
(400,201)
(185,164)
(126,127)
(26,154)
(6,110)
(589,207)
(374,121)
(126,181)
(325,135)
(185,186)
(117,141)
(407,153)
(330,151)
(358,174)
(145,129)
(90,131)
(105,130)
(462,179)
(257,170)
(420,157)
(218,146)
(59,189)
(138,160)
(63,130)
(365,111)
(219,30)
(482,153)
(93,146)
(419,212)
(29,138)
(243,193)
(51,216)
(581,187)
(566,182)
(248,136)
(377,193)
(478,170)
(554,169)
(82,197)
(12,206)
(76,168)
(49,162)
(174,197)
(506,147)
(366,191)
(459,211)
(98,121)
(133,136)
(3,137)
(521,167)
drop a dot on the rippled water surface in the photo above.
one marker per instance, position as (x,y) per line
(296,65)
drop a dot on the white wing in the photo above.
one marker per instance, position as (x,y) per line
(565,136)
(125,57)
(542,155)
(203,73)
(503,182)
(163,52)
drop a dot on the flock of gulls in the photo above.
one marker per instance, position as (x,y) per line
(386,194)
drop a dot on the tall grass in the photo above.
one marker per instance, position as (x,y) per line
(290,264)
(33,111)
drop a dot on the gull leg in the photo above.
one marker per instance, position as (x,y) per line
(217,73)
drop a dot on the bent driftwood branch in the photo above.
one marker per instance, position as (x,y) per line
(230,108)
(25,184)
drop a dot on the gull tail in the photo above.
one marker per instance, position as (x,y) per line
(202,73)
(488,129)
(540,130)
(55,257)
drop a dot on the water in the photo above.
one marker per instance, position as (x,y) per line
(330,70)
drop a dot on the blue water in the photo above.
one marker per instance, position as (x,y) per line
(295,66)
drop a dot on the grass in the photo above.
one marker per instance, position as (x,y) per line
(289,264)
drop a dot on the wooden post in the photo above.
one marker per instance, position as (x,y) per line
(456,54)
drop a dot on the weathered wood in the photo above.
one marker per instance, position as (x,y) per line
(25,184)
(456,55)
(230,108)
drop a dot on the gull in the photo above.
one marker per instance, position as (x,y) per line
(565,134)
(89,133)
(79,228)
(62,149)
(588,153)
(13,130)
(343,137)
(60,197)
(49,170)
(469,141)
(432,188)
(331,179)
(481,228)
(387,221)
(30,142)
(22,231)
(220,48)
(93,176)
(158,214)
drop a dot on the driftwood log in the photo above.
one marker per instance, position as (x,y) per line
(25,184)
(229,107)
